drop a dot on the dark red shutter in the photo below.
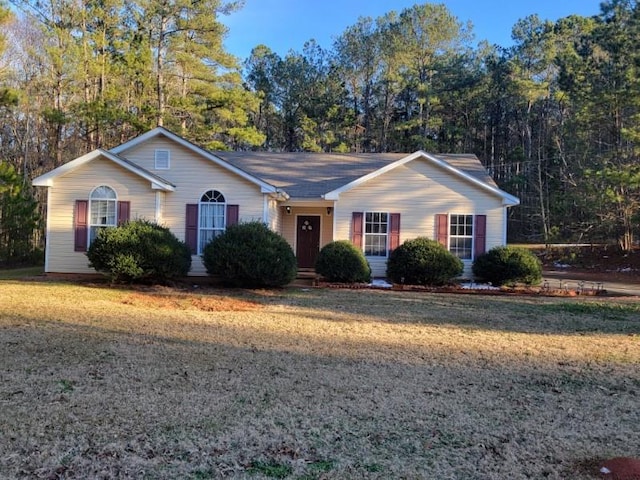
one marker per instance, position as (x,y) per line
(191,227)
(480,234)
(442,229)
(394,231)
(233,214)
(81,226)
(123,212)
(356,229)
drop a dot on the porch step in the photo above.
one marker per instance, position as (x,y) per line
(306,277)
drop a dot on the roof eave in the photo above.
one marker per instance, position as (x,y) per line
(39,182)
(510,201)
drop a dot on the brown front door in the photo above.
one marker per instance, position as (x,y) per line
(308,240)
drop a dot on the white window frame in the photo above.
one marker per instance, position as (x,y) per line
(159,161)
(461,235)
(373,223)
(215,202)
(103,218)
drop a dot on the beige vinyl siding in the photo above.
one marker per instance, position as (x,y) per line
(289,224)
(418,191)
(77,185)
(194,175)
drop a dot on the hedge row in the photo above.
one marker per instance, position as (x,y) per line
(252,255)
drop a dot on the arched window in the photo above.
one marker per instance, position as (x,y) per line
(211,217)
(102,210)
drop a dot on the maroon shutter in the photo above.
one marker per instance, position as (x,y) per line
(81,226)
(233,214)
(394,231)
(480,235)
(123,212)
(356,229)
(191,227)
(442,229)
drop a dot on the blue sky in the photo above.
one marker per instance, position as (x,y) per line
(285,25)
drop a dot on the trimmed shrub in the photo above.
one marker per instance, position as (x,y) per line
(250,255)
(139,251)
(423,261)
(507,265)
(341,261)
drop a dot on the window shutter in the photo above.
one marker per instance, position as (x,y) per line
(394,231)
(442,229)
(356,229)
(123,212)
(191,227)
(81,232)
(480,235)
(233,214)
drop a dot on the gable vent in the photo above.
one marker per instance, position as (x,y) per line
(162,159)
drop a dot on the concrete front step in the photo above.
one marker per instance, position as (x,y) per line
(306,277)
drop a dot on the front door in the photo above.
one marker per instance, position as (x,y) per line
(308,240)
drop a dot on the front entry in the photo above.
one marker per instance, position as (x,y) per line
(308,240)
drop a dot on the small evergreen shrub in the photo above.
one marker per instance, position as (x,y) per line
(506,265)
(139,251)
(423,261)
(250,255)
(341,261)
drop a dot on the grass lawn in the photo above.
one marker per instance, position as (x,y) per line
(15,273)
(99,382)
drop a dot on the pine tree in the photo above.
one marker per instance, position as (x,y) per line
(18,218)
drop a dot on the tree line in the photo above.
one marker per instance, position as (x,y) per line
(554,117)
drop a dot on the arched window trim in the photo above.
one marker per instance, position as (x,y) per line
(212,216)
(103,212)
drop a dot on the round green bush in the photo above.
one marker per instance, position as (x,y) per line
(423,261)
(139,251)
(250,255)
(507,265)
(341,261)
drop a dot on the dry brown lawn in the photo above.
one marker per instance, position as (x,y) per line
(158,383)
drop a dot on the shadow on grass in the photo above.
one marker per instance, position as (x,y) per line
(20,273)
(510,313)
(525,314)
(171,407)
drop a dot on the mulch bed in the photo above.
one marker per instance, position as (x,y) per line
(543,290)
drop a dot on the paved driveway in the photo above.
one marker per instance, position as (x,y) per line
(572,280)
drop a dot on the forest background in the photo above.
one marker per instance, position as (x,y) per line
(555,117)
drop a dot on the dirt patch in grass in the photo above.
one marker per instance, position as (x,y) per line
(99,383)
(190,302)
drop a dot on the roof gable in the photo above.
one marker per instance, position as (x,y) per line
(157,182)
(473,176)
(265,187)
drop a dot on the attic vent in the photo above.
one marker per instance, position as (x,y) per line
(162,159)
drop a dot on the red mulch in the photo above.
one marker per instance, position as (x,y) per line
(621,468)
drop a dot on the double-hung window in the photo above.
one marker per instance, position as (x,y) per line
(211,217)
(461,236)
(376,228)
(102,208)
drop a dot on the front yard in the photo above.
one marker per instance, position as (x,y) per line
(97,382)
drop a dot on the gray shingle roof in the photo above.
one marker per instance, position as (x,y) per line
(311,175)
